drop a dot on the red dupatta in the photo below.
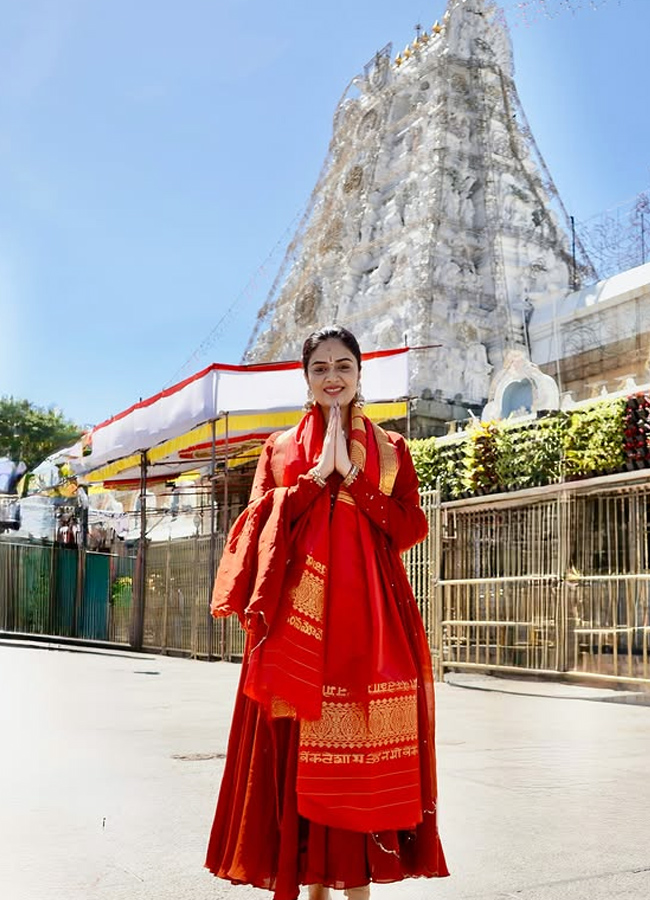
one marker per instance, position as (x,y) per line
(335,655)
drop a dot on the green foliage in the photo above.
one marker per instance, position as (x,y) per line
(530,454)
(122,592)
(511,456)
(594,440)
(451,469)
(439,463)
(480,458)
(30,433)
(426,460)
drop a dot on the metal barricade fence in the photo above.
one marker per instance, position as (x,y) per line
(26,575)
(422,564)
(177,600)
(550,581)
(46,589)
(55,591)
(608,581)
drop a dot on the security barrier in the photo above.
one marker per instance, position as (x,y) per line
(553,581)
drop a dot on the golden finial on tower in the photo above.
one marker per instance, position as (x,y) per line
(437,28)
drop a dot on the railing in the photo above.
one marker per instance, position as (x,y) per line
(51,590)
(552,581)
(177,600)
(56,591)
(422,564)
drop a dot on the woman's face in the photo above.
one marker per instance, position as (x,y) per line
(333,373)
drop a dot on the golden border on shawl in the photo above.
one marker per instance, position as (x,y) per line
(388,464)
(364,758)
(358,444)
(306,627)
(343,724)
(308,596)
(282,709)
(393,687)
(319,567)
(378,688)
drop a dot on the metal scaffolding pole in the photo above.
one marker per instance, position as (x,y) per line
(137,615)
(224,627)
(213,532)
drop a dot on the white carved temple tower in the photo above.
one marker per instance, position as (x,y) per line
(434,221)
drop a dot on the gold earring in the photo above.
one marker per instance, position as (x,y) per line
(309,402)
(359,399)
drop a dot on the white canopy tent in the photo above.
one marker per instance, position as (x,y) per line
(176,426)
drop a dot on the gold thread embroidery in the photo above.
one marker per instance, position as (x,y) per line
(306,627)
(393,687)
(310,756)
(357,453)
(282,709)
(333,690)
(308,597)
(388,465)
(380,687)
(392,720)
(357,448)
(320,567)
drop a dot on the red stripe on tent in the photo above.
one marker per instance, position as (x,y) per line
(132,484)
(377,354)
(142,404)
(252,436)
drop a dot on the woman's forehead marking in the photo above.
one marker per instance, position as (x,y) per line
(330,359)
(327,354)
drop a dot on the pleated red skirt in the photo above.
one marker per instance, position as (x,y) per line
(258,837)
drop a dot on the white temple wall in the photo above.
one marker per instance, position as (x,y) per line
(596,338)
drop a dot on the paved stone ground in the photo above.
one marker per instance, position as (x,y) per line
(110,765)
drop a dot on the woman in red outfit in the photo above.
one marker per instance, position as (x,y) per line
(330,777)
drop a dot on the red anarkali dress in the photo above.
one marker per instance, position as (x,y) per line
(330,775)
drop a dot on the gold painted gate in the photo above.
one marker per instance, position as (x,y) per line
(551,581)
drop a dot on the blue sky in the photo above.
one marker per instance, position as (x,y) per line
(154,157)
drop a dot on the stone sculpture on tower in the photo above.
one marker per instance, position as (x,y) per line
(434,220)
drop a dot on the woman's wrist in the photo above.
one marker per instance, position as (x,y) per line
(352,473)
(316,475)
